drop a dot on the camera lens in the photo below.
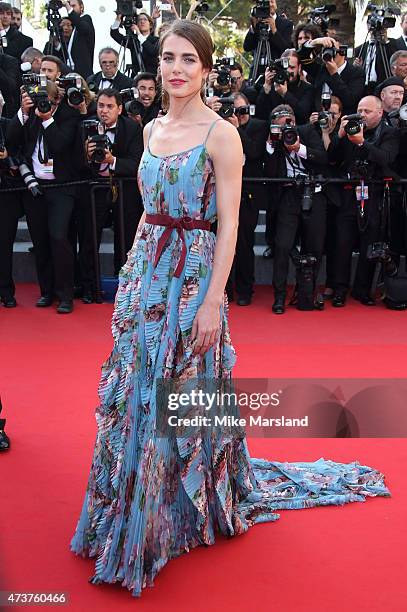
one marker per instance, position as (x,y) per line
(75,97)
(44,106)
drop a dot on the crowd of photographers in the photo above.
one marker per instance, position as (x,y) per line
(325,130)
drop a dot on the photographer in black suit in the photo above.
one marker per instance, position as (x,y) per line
(122,158)
(109,75)
(46,141)
(280,30)
(253,134)
(305,156)
(297,93)
(16,41)
(81,45)
(368,153)
(330,72)
(10,212)
(141,42)
(9,84)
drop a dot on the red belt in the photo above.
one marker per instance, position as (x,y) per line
(180,224)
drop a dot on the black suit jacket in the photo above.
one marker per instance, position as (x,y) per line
(59,138)
(83,46)
(253,136)
(127,148)
(380,154)
(279,42)
(121,81)
(149,51)
(401,44)
(390,47)
(17,43)
(348,86)
(9,84)
(315,163)
(300,96)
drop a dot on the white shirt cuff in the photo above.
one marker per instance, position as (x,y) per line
(22,118)
(113,165)
(48,122)
(270,148)
(302,151)
(116,25)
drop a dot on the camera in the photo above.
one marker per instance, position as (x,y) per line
(54,5)
(320,17)
(202,7)
(245,110)
(400,115)
(228,107)
(261,10)
(323,118)
(93,131)
(73,89)
(280,66)
(29,179)
(379,252)
(329,53)
(307,195)
(131,103)
(35,85)
(355,124)
(306,265)
(285,134)
(223,68)
(381,18)
(128,8)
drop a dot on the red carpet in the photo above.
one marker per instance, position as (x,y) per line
(331,558)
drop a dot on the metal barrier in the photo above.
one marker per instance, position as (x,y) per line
(99,184)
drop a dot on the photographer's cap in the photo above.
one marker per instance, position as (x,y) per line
(388,83)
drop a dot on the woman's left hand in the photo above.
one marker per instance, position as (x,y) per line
(205,328)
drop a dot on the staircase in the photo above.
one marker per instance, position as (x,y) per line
(24,264)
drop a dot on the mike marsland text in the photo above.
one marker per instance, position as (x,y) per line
(232,421)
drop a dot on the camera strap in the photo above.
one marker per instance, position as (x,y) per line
(385,214)
(43,157)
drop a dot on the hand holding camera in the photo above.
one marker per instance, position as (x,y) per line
(26,102)
(233,120)
(352,126)
(281,88)
(268,80)
(94,153)
(3,153)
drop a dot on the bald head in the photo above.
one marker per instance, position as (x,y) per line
(371,110)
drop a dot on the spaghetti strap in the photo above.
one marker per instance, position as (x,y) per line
(210,130)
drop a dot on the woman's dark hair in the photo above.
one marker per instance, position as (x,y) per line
(309,28)
(199,38)
(196,34)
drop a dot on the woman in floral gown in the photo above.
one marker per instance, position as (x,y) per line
(151,498)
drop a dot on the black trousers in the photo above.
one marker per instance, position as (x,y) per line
(11,209)
(341,239)
(398,224)
(132,211)
(370,231)
(244,258)
(48,219)
(289,219)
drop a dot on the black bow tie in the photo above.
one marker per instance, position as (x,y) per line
(111,130)
(108,80)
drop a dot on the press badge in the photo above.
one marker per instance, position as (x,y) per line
(362,192)
(48,167)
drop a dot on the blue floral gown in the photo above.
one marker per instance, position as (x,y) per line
(150,499)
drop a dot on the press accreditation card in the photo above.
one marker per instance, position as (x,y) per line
(362,192)
(48,167)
